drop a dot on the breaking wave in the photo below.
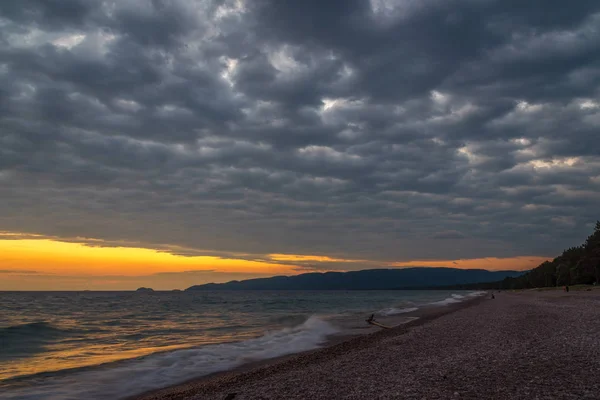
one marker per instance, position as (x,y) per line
(33,330)
(122,379)
(457,298)
(25,339)
(477,293)
(386,312)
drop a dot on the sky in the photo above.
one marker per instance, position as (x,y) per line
(167,143)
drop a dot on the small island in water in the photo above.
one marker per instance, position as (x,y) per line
(145,290)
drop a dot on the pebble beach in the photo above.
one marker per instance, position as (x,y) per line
(524,345)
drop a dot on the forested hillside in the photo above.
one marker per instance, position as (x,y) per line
(370,279)
(575,266)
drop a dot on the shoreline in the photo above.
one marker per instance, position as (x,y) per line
(522,345)
(277,332)
(336,344)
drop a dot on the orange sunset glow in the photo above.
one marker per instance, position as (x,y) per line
(56,257)
(33,262)
(521,263)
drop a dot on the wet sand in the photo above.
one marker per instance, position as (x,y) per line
(527,345)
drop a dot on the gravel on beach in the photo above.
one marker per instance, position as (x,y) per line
(529,345)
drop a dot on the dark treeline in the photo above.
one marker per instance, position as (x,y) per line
(575,266)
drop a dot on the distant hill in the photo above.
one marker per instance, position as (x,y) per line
(370,279)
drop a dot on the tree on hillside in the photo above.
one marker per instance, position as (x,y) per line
(563,275)
(592,245)
(593,241)
(576,265)
(591,262)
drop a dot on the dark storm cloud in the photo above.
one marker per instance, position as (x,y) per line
(362,129)
(449,235)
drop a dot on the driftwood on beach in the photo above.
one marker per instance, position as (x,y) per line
(371,320)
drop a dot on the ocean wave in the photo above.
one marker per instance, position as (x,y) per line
(23,340)
(457,298)
(40,331)
(453,299)
(130,377)
(29,329)
(445,302)
(17,337)
(288,320)
(477,293)
(26,340)
(386,312)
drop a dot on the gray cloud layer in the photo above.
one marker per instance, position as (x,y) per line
(382,129)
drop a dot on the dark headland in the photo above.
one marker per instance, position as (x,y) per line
(371,279)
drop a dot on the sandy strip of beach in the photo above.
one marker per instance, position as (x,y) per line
(527,345)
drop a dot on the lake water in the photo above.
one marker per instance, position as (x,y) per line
(108,345)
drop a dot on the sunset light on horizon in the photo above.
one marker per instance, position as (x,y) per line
(169,143)
(39,263)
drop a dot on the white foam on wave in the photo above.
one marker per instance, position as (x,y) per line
(163,369)
(446,301)
(386,312)
(477,293)
(457,298)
